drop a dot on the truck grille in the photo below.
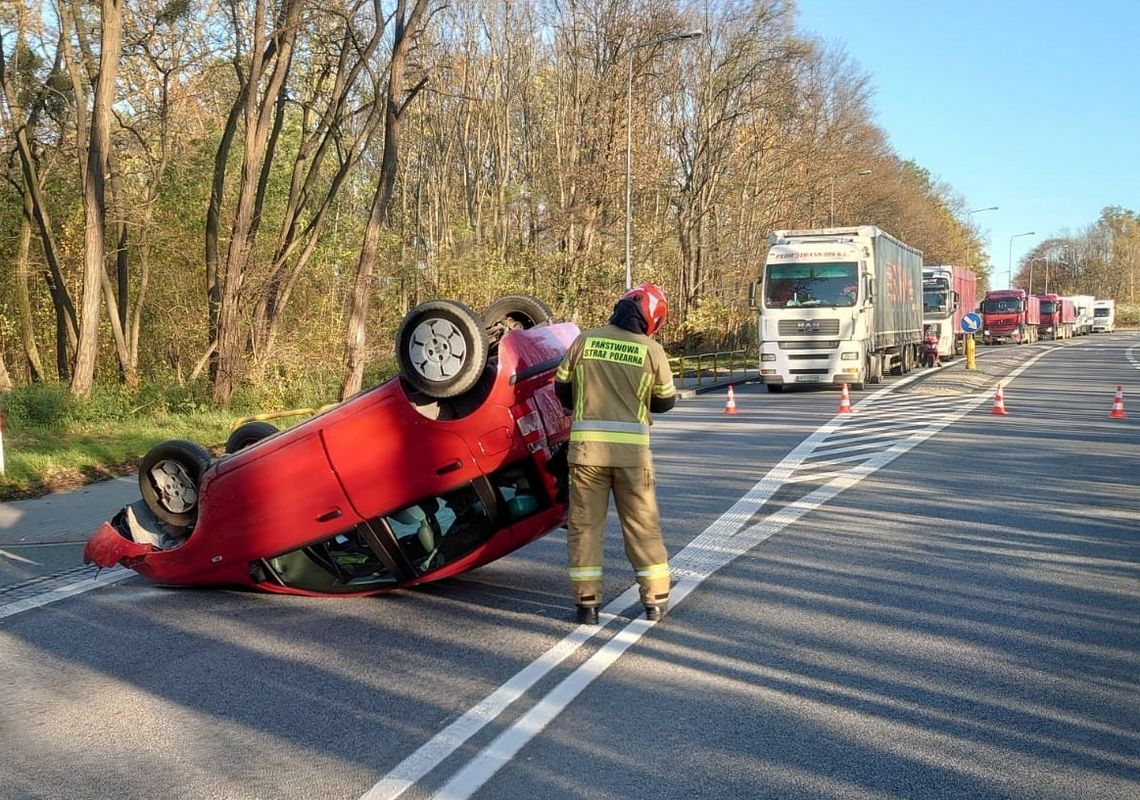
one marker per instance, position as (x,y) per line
(809,344)
(809,327)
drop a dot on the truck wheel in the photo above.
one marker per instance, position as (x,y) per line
(775,388)
(170,475)
(442,348)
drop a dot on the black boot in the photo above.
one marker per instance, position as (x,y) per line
(587,615)
(654,613)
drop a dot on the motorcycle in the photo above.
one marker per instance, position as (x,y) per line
(930,352)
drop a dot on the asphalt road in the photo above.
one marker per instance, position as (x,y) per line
(918,600)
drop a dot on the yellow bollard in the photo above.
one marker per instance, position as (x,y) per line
(970,353)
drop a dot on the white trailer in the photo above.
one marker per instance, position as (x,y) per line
(1083,303)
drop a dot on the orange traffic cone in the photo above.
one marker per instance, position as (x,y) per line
(1118,404)
(999,403)
(730,403)
(845,401)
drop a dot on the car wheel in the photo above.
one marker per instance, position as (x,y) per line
(442,348)
(513,312)
(249,433)
(169,478)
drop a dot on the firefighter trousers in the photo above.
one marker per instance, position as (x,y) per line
(636,502)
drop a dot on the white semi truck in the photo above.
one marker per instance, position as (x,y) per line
(839,306)
(1104,316)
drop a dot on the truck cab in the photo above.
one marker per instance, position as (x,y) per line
(1104,316)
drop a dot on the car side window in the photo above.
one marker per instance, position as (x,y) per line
(443,529)
(521,490)
(341,563)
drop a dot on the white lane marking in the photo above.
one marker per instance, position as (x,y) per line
(14,557)
(721,542)
(70,590)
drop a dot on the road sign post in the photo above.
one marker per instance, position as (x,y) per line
(971,323)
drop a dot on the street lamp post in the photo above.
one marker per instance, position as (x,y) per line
(629,143)
(1009,279)
(968,215)
(831,217)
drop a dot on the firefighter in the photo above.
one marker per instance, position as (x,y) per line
(610,380)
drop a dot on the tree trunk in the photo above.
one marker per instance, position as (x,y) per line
(259,112)
(23,295)
(404,31)
(94,203)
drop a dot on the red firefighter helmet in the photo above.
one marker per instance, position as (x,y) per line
(652,303)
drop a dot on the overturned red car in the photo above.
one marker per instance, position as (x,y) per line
(452,464)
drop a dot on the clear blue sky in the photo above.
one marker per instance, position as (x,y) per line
(1033,107)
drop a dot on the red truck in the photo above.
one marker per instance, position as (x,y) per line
(1058,317)
(1010,315)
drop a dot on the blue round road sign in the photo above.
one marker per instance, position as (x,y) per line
(971,322)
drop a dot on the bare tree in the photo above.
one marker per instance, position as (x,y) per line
(21,112)
(94,203)
(407,24)
(270,57)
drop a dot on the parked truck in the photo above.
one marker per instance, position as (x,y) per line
(839,306)
(948,294)
(1058,317)
(1010,315)
(1084,306)
(1104,316)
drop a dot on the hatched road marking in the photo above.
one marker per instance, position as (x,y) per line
(883,427)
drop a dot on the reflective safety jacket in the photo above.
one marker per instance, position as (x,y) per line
(610,380)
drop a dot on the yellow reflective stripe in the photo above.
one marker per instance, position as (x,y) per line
(643,389)
(612,426)
(585,573)
(609,437)
(617,351)
(654,571)
(664,390)
(563,373)
(579,394)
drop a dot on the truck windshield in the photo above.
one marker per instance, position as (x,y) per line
(1101,312)
(1011,306)
(800,285)
(1048,308)
(934,298)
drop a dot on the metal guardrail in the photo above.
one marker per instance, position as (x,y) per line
(713,367)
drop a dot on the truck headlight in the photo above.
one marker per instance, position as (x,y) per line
(767,356)
(850,356)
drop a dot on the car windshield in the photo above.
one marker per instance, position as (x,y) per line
(805,285)
(1005,306)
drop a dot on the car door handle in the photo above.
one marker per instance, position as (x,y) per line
(329,515)
(449,467)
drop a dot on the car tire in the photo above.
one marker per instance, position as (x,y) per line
(442,348)
(170,475)
(249,433)
(513,312)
